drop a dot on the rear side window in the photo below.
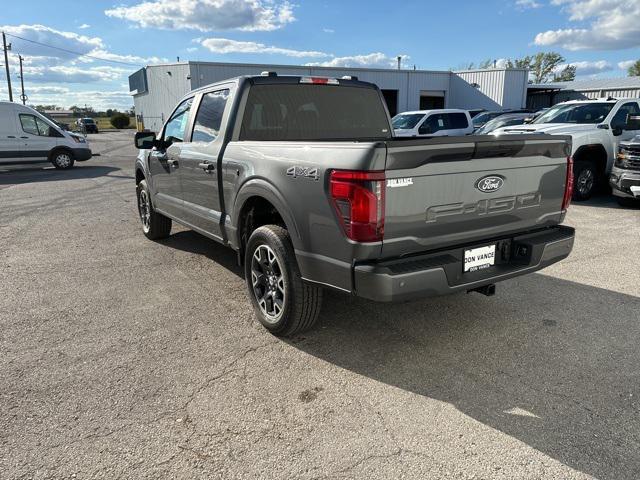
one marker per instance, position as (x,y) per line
(174,130)
(457,120)
(209,116)
(314,112)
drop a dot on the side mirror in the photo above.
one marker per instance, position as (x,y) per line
(145,140)
(633,122)
(616,131)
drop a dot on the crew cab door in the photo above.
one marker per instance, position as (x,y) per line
(618,126)
(199,161)
(164,162)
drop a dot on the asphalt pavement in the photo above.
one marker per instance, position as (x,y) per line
(127,358)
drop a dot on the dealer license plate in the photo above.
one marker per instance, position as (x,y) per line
(479,258)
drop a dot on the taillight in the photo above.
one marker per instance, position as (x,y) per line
(568,187)
(358,198)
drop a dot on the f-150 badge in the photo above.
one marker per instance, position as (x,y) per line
(307,172)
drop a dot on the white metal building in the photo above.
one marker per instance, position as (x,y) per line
(544,95)
(157,88)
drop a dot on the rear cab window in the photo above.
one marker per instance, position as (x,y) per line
(290,112)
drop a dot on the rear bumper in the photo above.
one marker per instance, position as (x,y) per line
(441,273)
(622,181)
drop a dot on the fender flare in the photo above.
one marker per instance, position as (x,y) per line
(583,150)
(259,187)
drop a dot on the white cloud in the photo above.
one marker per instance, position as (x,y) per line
(55,38)
(527,4)
(587,67)
(328,30)
(224,45)
(377,59)
(624,65)
(207,15)
(105,55)
(73,74)
(614,24)
(84,26)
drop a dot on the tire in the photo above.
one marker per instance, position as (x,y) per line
(585,180)
(62,159)
(273,279)
(154,225)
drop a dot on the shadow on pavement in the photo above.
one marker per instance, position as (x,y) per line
(562,377)
(45,172)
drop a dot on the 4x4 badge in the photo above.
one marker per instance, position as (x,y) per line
(307,172)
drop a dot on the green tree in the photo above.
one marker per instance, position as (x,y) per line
(120,120)
(567,74)
(634,70)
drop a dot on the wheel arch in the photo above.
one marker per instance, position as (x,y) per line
(264,196)
(593,152)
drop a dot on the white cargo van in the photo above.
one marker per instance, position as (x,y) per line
(28,136)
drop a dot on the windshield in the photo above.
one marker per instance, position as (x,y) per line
(314,112)
(576,113)
(483,118)
(406,120)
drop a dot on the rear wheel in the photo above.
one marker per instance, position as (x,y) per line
(585,180)
(154,224)
(283,302)
(62,160)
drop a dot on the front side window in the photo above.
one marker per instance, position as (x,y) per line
(620,118)
(433,124)
(209,116)
(34,125)
(175,128)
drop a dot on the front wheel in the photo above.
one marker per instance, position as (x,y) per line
(154,224)
(283,302)
(62,160)
(585,180)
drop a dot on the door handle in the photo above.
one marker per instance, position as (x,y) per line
(173,162)
(11,136)
(207,167)
(24,137)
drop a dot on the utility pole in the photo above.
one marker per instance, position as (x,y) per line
(6,48)
(23,97)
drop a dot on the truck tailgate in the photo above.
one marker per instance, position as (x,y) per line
(442,192)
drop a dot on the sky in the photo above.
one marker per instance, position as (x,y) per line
(100,43)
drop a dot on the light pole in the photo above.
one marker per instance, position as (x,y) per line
(6,48)
(23,97)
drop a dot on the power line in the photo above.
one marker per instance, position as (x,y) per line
(73,52)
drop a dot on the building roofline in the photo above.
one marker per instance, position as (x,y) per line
(318,67)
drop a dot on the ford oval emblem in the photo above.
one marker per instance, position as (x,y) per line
(491,183)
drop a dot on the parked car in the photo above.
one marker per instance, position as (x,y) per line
(304,179)
(61,125)
(508,119)
(625,173)
(28,136)
(432,123)
(87,125)
(596,128)
(475,111)
(484,117)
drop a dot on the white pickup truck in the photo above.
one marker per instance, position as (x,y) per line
(596,128)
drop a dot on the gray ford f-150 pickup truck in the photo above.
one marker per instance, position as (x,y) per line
(303,178)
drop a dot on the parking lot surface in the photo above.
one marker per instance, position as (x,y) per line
(126,358)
